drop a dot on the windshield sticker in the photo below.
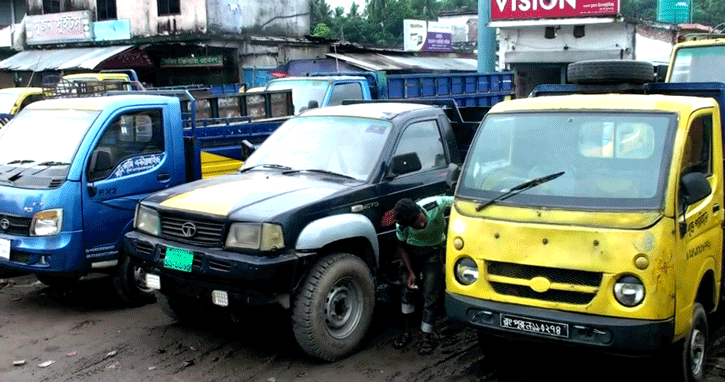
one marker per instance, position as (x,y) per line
(137,164)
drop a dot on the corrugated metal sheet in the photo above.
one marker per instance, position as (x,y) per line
(61,59)
(378,61)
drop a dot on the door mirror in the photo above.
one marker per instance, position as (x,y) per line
(101,163)
(247,149)
(404,164)
(695,187)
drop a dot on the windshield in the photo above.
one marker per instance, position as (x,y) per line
(7,100)
(303,91)
(695,64)
(344,145)
(609,160)
(38,136)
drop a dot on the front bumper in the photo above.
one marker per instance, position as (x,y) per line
(618,335)
(252,279)
(59,254)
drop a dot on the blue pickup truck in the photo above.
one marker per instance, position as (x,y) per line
(73,169)
(468,89)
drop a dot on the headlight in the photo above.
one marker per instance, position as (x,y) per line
(629,291)
(466,271)
(147,220)
(263,237)
(47,223)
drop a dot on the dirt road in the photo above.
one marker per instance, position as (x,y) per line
(85,335)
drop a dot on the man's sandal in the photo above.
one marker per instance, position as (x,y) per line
(402,340)
(426,346)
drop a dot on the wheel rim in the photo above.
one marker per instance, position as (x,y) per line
(139,279)
(697,351)
(343,308)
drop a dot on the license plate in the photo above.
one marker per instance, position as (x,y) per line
(178,259)
(5,249)
(547,328)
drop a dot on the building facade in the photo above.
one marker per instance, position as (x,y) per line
(167,42)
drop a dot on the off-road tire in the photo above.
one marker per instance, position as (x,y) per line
(182,309)
(129,283)
(333,308)
(691,351)
(610,71)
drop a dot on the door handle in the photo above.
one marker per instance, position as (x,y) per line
(715,208)
(163,176)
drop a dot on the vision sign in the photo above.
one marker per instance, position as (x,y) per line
(548,9)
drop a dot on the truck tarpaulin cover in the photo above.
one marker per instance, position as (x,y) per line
(547,9)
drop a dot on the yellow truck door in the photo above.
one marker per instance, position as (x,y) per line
(698,258)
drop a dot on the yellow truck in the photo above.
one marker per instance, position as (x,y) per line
(594,220)
(12,100)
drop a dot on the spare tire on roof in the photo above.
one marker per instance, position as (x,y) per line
(610,71)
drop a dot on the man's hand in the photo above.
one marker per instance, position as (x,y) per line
(411,281)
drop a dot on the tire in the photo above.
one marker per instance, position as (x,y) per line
(182,309)
(610,71)
(129,283)
(58,282)
(333,308)
(693,349)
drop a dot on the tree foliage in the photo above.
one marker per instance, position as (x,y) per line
(380,22)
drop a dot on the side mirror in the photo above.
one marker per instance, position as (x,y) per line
(695,187)
(247,149)
(312,104)
(403,164)
(101,160)
(454,171)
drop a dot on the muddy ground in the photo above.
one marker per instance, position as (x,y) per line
(85,335)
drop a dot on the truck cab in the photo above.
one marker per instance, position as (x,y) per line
(594,220)
(310,92)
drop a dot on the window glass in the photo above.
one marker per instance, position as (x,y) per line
(342,92)
(129,135)
(424,139)
(168,7)
(696,155)
(106,9)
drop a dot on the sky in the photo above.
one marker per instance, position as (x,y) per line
(345,3)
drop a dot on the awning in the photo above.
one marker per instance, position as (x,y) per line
(61,59)
(377,61)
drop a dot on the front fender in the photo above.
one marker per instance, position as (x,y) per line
(330,229)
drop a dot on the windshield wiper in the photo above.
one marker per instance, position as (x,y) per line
(321,172)
(51,163)
(275,166)
(519,189)
(20,161)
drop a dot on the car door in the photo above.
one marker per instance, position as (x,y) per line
(130,160)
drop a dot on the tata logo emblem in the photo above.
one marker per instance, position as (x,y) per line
(4,224)
(188,229)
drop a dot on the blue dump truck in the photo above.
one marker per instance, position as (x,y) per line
(468,89)
(73,169)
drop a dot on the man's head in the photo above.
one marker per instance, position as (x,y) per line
(409,214)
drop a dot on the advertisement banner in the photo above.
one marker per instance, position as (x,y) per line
(426,36)
(549,9)
(59,27)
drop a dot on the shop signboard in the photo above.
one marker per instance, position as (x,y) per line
(551,9)
(193,61)
(426,36)
(59,27)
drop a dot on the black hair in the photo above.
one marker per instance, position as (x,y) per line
(406,212)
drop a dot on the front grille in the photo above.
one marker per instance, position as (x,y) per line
(16,225)
(555,275)
(207,233)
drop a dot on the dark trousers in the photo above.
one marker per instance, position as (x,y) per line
(427,263)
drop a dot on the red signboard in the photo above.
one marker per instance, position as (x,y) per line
(551,9)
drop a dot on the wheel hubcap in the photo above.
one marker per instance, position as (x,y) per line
(343,308)
(697,351)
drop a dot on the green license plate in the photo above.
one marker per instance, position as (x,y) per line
(179,259)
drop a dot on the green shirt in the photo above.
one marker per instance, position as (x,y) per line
(434,232)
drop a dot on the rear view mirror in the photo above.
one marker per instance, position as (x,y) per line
(404,164)
(695,187)
(101,160)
